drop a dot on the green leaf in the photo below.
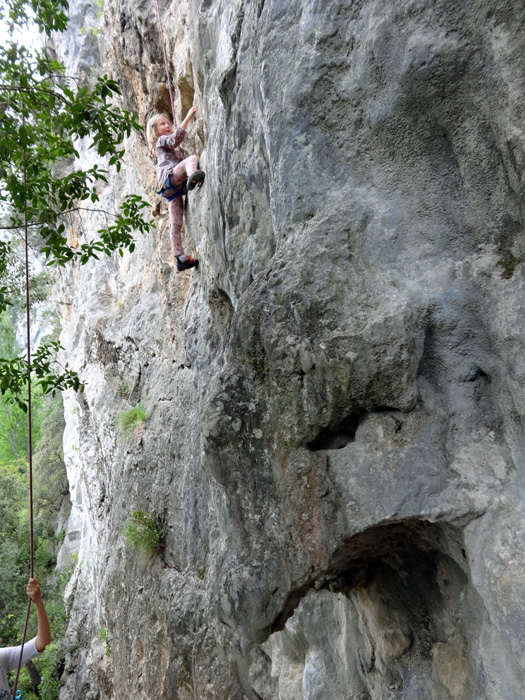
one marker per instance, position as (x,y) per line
(22,136)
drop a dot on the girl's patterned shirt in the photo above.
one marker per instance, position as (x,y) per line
(169,154)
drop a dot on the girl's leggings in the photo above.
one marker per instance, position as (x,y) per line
(179,173)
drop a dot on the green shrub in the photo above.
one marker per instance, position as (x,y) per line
(123,390)
(129,420)
(104,635)
(50,492)
(51,484)
(144,532)
(51,667)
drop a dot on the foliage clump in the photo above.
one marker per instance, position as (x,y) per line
(144,532)
(14,543)
(43,179)
(104,635)
(51,671)
(123,390)
(129,420)
(51,484)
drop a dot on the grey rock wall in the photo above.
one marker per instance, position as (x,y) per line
(335,431)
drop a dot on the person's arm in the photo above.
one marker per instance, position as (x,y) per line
(188,117)
(43,637)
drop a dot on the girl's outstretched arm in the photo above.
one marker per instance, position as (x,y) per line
(188,117)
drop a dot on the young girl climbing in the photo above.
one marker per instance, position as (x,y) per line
(176,176)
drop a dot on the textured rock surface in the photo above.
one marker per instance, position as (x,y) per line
(335,434)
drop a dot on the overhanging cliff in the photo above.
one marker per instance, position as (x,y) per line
(335,408)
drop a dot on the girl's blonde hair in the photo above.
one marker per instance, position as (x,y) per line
(151,131)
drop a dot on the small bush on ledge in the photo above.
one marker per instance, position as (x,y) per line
(144,532)
(129,420)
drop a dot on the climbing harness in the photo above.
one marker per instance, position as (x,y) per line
(166,66)
(169,192)
(18,694)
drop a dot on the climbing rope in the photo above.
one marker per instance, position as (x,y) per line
(16,694)
(166,63)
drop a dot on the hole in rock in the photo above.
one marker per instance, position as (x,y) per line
(479,374)
(405,609)
(397,546)
(162,103)
(186,89)
(337,435)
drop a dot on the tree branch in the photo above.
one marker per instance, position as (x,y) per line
(32,90)
(61,213)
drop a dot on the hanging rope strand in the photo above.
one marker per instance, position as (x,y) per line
(166,64)
(29,405)
(29,418)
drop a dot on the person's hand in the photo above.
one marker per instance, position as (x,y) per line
(192,111)
(188,117)
(33,590)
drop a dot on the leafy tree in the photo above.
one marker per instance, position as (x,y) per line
(50,491)
(51,484)
(14,427)
(14,549)
(44,114)
(14,558)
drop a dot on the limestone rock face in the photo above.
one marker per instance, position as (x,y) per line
(335,436)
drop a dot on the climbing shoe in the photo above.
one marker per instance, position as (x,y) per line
(196,179)
(187,264)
